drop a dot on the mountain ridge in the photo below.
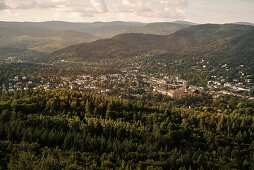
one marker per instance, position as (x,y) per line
(46,37)
(131,44)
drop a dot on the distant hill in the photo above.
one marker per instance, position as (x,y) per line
(46,37)
(221,41)
(78,26)
(245,23)
(184,22)
(106,29)
(22,36)
(159,28)
(124,45)
(203,35)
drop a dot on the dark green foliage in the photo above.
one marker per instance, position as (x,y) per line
(63,129)
(123,45)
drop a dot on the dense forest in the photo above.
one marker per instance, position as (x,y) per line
(61,129)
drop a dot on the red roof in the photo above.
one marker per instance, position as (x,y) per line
(180,94)
(172,91)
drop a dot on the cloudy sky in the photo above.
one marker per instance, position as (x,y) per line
(200,11)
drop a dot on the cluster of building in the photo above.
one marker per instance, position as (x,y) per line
(125,83)
(235,85)
(176,88)
(16,84)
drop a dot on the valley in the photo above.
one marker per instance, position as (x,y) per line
(126,95)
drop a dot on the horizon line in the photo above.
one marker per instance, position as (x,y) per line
(175,21)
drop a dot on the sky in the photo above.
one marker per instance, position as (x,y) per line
(198,11)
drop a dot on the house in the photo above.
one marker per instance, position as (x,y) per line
(16,78)
(227,84)
(215,95)
(136,81)
(176,95)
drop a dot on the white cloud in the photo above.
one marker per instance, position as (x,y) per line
(99,5)
(200,11)
(99,9)
(84,7)
(25,4)
(3,5)
(151,8)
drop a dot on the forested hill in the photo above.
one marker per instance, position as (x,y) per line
(106,29)
(123,45)
(25,40)
(63,129)
(203,35)
(197,40)
(26,37)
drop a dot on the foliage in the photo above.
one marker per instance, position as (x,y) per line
(64,129)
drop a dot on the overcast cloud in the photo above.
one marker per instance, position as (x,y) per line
(157,9)
(126,10)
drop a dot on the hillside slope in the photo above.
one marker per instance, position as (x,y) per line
(158,28)
(23,37)
(198,40)
(124,45)
(46,37)
(105,29)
